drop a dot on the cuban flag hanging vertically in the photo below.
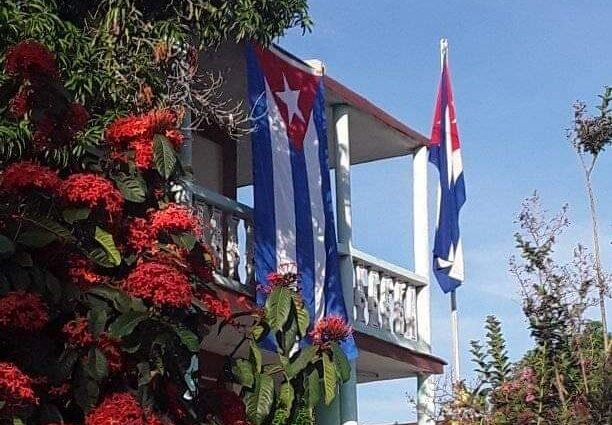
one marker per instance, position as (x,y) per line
(294,222)
(445,154)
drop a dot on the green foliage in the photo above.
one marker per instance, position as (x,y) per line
(303,377)
(565,378)
(120,59)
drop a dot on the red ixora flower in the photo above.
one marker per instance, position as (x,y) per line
(143,233)
(136,133)
(25,175)
(175,218)
(330,329)
(121,409)
(30,60)
(286,277)
(55,129)
(15,389)
(77,333)
(110,347)
(20,310)
(82,272)
(92,191)
(215,305)
(160,284)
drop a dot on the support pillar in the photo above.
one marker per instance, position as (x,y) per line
(422,258)
(348,391)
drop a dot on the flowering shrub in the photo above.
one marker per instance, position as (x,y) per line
(98,267)
(106,291)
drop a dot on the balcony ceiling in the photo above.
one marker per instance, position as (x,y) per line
(374,134)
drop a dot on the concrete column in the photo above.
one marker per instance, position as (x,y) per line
(422,263)
(348,391)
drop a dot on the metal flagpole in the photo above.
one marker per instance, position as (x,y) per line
(453,295)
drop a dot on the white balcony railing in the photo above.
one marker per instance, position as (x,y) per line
(384,299)
(384,295)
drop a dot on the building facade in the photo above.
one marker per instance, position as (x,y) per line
(389,305)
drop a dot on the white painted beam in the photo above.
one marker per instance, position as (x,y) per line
(422,262)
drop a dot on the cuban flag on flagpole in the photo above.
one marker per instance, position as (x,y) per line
(445,154)
(294,221)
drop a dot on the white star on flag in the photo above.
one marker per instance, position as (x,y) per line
(290,98)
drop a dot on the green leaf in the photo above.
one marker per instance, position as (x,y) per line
(259,401)
(258,332)
(120,300)
(72,215)
(108,244)
(17,421)
(7,247)
(96,319)
(184,240)
(287,394)
(255,357)
(164,156)
(289,335)
(97,366)
(101,258)
(303,359)
(50,226)
(126,323)
(36,238)
(133,188)
(330,382)
(188,338)
(341,361)
(243,371)
(313,384)
(278,307)
(303,318)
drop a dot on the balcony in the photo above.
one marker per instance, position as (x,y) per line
(383,306)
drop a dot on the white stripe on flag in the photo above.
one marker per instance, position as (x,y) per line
(448,145)
(314,173)
(284,205)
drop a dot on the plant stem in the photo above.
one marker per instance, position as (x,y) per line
(601,283)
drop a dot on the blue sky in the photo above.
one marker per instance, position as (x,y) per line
(517,67)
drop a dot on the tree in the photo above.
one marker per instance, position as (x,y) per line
(590,136)
(106,289)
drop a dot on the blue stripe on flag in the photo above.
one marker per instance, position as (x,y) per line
(303,227)
(334,298)
(265,236)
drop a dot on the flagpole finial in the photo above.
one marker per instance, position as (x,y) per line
(443,50)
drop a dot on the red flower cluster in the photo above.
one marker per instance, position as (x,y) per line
(20,310)
(160,284)
(110,347)
(231,409)
(15,388)
(52,130)
(82,272)
(19,105)
(121,409)
(216,306)
(330,329)
(30,60)
(143,233)
(78,335)
(25,175)
(175,218)
(139,235)
(286,277)
(136,133)
(92,191)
